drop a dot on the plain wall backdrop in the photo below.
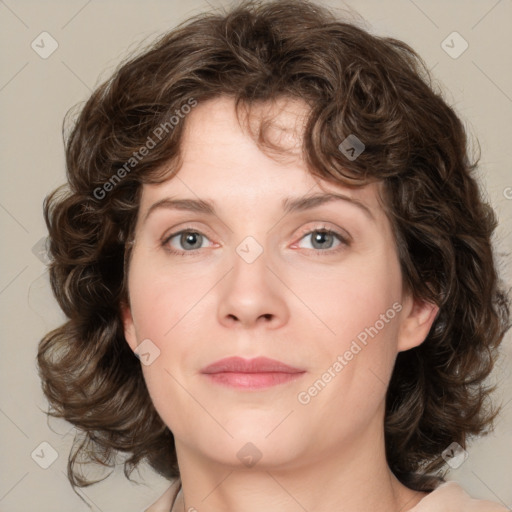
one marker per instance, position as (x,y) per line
(37,89)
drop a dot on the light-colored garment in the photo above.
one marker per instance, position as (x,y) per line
(448,497)
(167,500)
(451,497)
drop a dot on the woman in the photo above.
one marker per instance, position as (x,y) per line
(324,340)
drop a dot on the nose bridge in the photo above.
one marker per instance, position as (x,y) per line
(251,292)
(251,266)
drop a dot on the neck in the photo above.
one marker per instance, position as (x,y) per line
(353,478)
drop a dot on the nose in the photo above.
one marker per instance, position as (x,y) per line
(252,294)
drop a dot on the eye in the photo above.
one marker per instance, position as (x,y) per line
(188,241)
(323,239)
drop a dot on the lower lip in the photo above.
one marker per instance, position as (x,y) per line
(252,380)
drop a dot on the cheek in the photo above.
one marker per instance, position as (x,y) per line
(168,308)
(353,360)
(162,299)
(165,309)
(359,311)
(349,300)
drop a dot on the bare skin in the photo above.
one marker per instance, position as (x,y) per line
(303,300)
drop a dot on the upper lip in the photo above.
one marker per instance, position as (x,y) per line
(256,365)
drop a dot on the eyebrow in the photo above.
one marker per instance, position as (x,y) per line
(289,204)
(308,202)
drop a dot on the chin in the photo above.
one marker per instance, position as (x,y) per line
(259,443)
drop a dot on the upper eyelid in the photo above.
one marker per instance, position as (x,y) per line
(166,238)
(323,227)
(186,227)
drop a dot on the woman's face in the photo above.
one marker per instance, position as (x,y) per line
(255,275)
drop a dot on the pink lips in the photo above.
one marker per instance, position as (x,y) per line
(255,373)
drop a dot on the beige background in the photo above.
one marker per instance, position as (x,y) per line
(35,93)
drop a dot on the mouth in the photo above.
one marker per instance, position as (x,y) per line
(257,373)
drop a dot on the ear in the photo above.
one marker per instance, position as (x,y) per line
(418,317)
(129,326)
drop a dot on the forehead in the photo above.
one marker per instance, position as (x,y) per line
(221,158)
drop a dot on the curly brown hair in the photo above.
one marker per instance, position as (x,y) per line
(353,82)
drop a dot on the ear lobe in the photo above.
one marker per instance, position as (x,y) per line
(416,325)
(129,326)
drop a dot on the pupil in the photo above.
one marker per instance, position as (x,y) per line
(191,238)
(320,237)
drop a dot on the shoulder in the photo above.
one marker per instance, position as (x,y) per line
(165,502)
(451,497)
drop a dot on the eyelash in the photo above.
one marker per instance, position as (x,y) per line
(318,229)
